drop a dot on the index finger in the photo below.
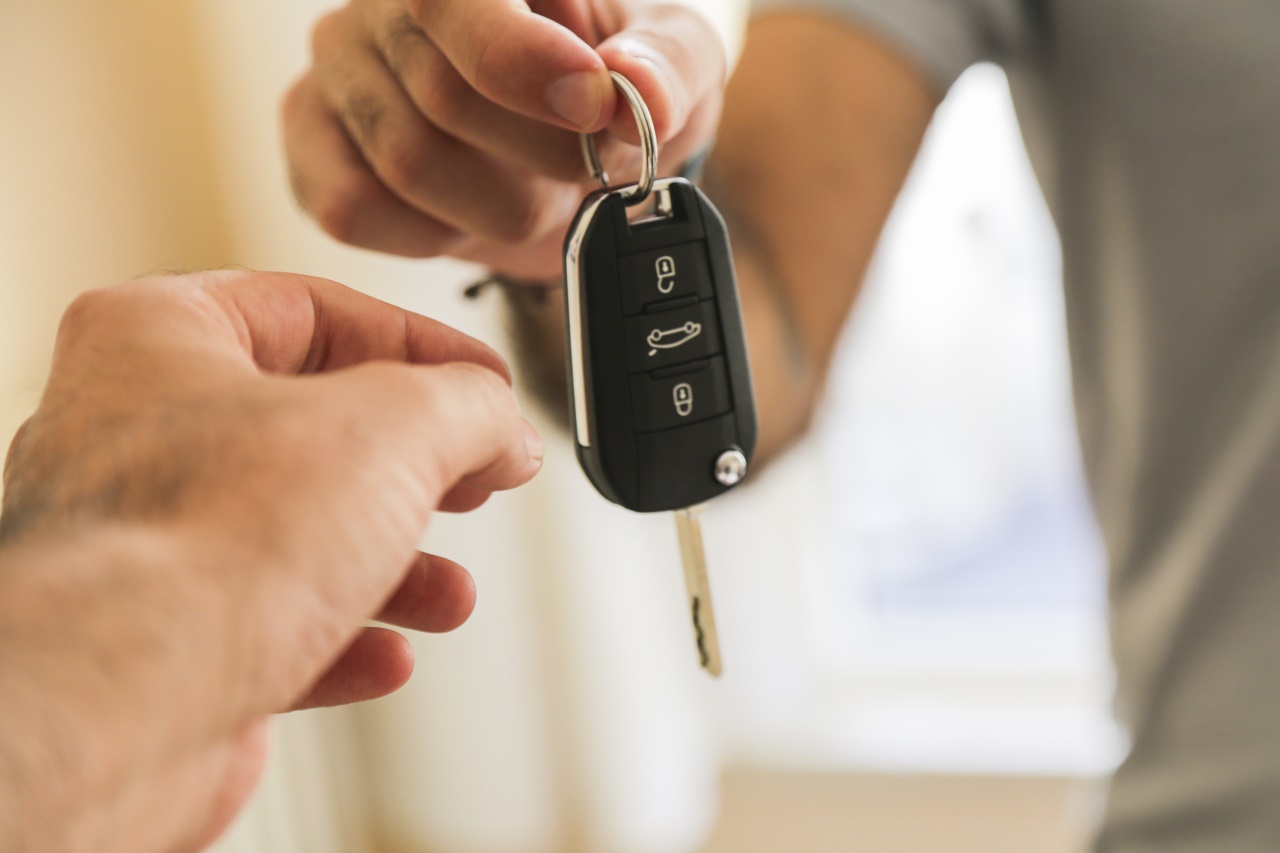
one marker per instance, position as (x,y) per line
(297,324)
(521,60)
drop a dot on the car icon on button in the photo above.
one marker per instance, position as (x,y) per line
(672,338)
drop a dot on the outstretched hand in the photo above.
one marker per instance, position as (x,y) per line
(227,475)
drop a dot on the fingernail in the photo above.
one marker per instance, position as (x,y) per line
(533,442)
(578,98)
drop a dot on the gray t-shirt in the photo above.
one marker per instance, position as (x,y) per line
(1155,128)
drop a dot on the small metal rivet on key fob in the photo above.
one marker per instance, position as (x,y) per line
(663,409)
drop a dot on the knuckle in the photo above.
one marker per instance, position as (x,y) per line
(326,34)
(401,161)
(292,102)
(485,69)
(362,115)
(482,389)
(299,187)
(521,222)
(402,43)
(485,378)
(339,208)
(17,450)
(401,382)
(81,313)
(499,397)
(443,95)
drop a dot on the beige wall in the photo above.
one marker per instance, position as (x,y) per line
(105,167)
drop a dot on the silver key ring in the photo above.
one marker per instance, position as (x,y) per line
(648,146)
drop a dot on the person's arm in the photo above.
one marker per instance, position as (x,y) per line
(821,124)
(228,474)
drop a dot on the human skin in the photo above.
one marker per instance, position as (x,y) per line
(227,475)
(821,123)
(450,127)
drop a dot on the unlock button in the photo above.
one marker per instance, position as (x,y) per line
(680,396)
(674,272)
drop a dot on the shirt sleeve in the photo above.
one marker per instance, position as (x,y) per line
(943,37)
(729,19)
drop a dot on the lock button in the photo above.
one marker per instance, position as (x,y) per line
(680,396)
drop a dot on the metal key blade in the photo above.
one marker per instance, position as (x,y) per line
(689,529)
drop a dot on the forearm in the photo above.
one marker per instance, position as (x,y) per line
(820,128)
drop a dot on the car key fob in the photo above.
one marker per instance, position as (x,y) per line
(663,408)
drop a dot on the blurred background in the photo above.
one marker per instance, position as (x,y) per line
(911,604)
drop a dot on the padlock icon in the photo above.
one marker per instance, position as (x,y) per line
(666,267)
(683,396)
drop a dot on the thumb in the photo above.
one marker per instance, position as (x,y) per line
(675,57)
(442,425)
(520,60)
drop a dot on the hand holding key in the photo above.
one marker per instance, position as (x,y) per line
(448,127)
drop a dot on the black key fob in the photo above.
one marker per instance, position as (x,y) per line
(663,409)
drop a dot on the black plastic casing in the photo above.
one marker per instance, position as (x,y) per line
(671,468)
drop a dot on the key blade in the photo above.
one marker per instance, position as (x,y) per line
(689,530)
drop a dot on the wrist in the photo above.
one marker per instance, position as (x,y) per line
(91,692)
(535,319)
(50,747)
(729,20)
